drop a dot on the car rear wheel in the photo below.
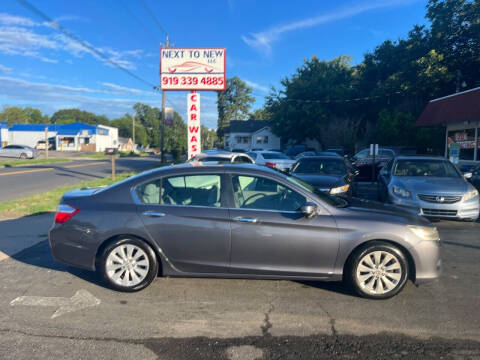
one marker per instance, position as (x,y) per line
(379,270)
(128,264)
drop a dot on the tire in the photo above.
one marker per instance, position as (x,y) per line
(128,265)
(23,156)
(377,283)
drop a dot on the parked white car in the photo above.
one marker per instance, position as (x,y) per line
(18,151)
(272,159)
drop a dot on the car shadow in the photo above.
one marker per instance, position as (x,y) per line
(331,286)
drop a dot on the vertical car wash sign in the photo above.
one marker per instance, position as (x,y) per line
(193,124)
(193,69)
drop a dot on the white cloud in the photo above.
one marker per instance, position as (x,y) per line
(113,100)
(262,41)
(257,86)
(5,69)
(21,36)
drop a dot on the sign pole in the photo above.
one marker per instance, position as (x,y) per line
(193,124)
(162,139)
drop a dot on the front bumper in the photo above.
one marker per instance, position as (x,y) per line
(428,263)
(459,210)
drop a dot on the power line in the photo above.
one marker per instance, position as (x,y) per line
(152,15)
(147,28)
(86,45)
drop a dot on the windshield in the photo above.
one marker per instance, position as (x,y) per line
(425,168)
(331,200)
(271,156)
(320,167)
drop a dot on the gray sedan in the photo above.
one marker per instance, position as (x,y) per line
(428,186)
(18,151)
(240,221)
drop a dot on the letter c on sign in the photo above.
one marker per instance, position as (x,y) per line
(193,97)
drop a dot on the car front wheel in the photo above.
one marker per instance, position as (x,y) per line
(128,264)
(378,270)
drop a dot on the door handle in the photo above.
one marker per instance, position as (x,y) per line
(153,214)
(245,219)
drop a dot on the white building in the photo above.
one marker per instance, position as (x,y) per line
(67,137)
(250,135)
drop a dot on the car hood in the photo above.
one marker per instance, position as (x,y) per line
(432,185)
(374,209)
(322,181)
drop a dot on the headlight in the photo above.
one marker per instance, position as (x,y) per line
(401,192)
(425,232)
(340,189)
(470,195)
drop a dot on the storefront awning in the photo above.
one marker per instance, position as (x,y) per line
(459,107)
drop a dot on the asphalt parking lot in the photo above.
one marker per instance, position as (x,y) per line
(48,309)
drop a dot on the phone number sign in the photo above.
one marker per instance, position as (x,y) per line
(193,69)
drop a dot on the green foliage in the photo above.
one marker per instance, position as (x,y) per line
(14,115)
(68,116)
(209,138)
(379,99)
(260,114)
(234,103)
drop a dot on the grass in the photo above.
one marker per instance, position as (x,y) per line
(32,162)
(48,201)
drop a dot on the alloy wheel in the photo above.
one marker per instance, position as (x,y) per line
(378,272)
(127,265)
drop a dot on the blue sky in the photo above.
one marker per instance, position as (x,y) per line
(265,41)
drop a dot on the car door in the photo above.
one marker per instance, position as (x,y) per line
(8,151)
(270,236)
(184,215)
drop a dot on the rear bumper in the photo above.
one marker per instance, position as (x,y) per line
(69,249)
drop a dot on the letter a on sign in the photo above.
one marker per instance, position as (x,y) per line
(193,115)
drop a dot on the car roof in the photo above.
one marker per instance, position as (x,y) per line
(226,155)
(321,157)
(210,166)
(416,157)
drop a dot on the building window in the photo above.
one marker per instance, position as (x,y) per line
(259,139)
(466,140)
(265,139)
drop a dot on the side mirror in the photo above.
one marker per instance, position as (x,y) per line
(467,175)
(309,210)
(383,172)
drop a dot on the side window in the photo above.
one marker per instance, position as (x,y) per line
(149,193)
(195,190)
(251,192)
(242,160)
(252,155)
(386,152)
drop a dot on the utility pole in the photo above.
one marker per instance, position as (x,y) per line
(162,139)
(133,132)
(47,143)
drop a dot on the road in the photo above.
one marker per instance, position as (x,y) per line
(178,318)
(23,181)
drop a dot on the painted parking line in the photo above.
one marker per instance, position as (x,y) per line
(47,169)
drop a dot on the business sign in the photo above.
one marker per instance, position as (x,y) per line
(193,124)
(193,69)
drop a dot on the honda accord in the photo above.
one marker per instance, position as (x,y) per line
(240,221)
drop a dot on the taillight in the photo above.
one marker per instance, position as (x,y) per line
(268,163)
(65,213)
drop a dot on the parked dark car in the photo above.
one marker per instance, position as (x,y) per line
(329,174)
(475,178)
(240,221)
(294,150)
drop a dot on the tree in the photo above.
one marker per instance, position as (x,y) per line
(35,115)
(125,129)
(68,116)
(209,137)
(234,103)
(260,114)
(14,115)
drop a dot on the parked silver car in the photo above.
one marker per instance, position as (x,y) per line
(428,186)
(223,157)
(273,159)
(18,151)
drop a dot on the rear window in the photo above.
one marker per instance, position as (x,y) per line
(272,156)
